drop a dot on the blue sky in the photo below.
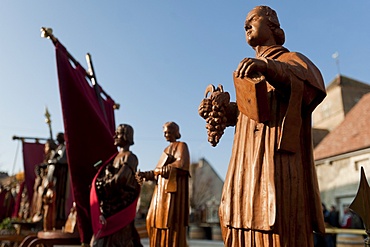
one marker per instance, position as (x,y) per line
(155,58)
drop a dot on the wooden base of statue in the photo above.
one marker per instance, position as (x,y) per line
(251,97)
(69,235)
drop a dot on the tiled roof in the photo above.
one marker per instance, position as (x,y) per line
(351,135)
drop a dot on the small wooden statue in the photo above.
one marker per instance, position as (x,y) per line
(114,195)
(168,213)
(58,175)
(41,186)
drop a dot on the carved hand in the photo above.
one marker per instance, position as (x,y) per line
(250,66)
(141,176)
(157,171)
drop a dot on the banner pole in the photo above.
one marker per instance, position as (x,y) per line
(48,34)
(91,73)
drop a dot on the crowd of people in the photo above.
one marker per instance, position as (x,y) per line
(349,220)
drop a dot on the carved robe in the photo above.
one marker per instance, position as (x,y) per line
(114,195)
(168,213)
(270,195)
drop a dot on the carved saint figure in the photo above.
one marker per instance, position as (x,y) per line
(168,213)
(114,196)
(40,182)
(56,190)
(270,195)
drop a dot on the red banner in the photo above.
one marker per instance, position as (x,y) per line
(88,133)
(33,155)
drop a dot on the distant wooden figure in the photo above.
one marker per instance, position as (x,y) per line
(168,214)
(58,175)
(37,210)
(270,195)
(114,195)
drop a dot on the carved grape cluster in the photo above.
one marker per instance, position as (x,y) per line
(216,117)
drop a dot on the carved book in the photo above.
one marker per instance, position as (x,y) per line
(251,97)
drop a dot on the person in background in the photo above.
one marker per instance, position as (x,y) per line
(347,219)
(334,222)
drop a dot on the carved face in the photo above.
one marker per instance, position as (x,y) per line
(119,137)
(257,30)
(169,134)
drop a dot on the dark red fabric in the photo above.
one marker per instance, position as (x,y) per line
(18,200)
(2,205)
(33,155)
(6,204)
(114,222)
(87,133)
(108,104)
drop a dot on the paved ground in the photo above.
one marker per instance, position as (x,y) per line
(192,243)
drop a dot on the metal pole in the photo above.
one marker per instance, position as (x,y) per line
(48,122)
(91,73)
(22,138)
(48,33)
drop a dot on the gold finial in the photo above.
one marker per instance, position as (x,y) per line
(47,115)
(116,106)
(48,121)
(46,32)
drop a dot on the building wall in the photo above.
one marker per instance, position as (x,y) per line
(342,94)
(205,182)
(205,190)
(318,135)
(330,112)
(339,178)
(351,95)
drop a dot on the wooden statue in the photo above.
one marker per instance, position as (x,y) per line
(41,183)
(49,202)
(270,195)
(36,205)
(114,195)
(168,214)
(58,175)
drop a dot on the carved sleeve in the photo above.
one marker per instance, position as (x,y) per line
(231,114)
(278,74)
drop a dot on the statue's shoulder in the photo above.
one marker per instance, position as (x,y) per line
(181,144)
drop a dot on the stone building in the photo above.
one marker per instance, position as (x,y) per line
(205,192)
(345,114)
(205,196)
(342,94)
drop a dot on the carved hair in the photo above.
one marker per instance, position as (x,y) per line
(174,127)
(60,137)
(274,24)
(128,133)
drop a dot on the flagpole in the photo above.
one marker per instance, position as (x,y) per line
(96,87)
(48,122)
(48,34)
(36,139)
